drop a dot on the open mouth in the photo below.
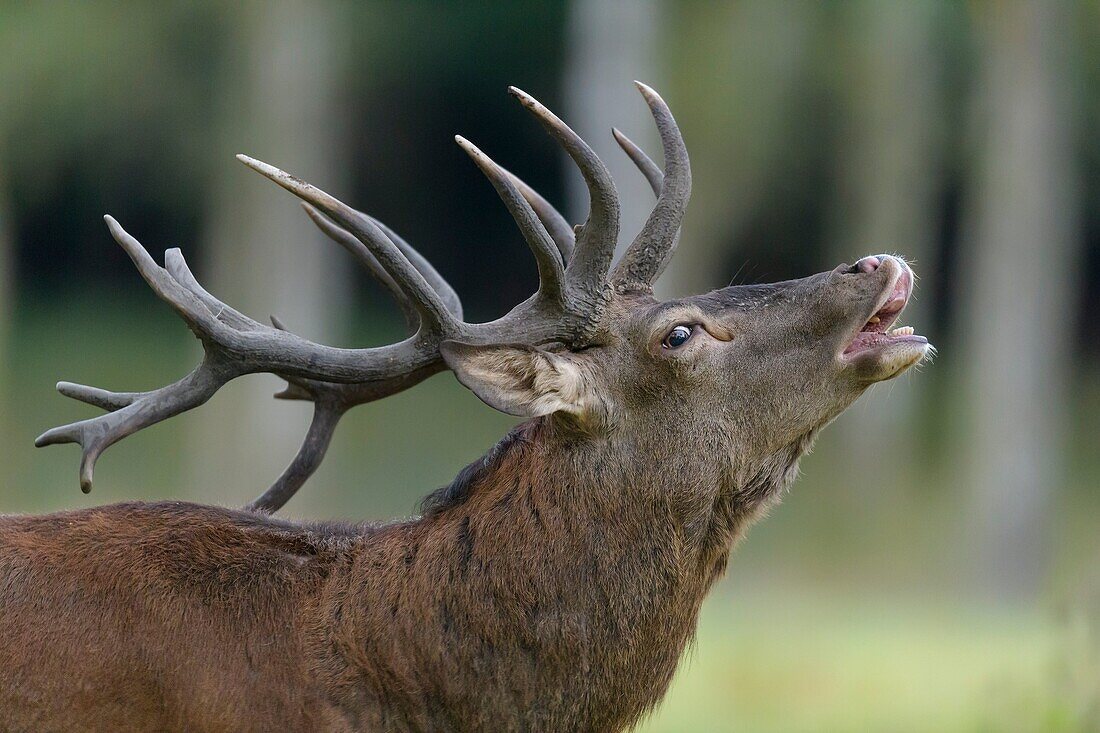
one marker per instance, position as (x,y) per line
(875,333)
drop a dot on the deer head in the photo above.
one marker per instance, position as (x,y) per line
(762,366)
(717,384)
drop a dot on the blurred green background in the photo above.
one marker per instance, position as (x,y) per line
(936,568)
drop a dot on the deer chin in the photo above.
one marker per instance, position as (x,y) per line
(877,352)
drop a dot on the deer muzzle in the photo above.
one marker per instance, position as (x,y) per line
(876,351)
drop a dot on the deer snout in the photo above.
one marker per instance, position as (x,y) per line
(903,283)
(867,264)
(898,270)
(870,263)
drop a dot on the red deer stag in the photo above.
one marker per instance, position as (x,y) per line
(552,586)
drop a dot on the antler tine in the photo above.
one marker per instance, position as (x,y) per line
(177,267)
(547,256)
(595,240)
(96,397)
(645,164)
(186,304)
(434,315)
(330,402)
(99,433)
(305,462)
(652,174)
(648,254)
(361,253)
(439,284)
(559,228)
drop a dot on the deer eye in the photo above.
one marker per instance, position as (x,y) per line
(677,337)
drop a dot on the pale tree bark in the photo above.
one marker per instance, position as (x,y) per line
(1016,284)
(888,170)
(610,44)
(262,254)
(7,260)
(741,119)
(7,296)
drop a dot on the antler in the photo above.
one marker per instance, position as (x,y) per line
(649,253)
(646,257)
(568,308)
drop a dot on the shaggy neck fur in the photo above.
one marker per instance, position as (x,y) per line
(553,586)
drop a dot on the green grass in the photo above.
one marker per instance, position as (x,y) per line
(771,660)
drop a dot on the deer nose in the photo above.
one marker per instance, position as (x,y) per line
(868,264)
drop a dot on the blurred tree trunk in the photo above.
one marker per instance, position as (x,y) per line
(7,298)
(609,45)
(888,168)
(744,123)
(1016,286)
(7,260)
(262,254)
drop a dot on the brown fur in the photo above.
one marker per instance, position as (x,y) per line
(530,604)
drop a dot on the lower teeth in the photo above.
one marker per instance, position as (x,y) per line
(903,331)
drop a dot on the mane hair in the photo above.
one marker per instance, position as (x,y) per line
(460,489)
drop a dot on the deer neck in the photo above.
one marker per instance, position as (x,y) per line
(569,578)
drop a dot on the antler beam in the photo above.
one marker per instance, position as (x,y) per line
(568,308)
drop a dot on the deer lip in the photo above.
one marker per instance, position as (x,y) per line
(874,332)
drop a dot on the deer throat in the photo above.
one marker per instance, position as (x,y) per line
(539,588)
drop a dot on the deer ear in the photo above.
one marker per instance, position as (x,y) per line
(517,379)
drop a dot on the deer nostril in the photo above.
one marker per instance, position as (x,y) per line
(868,264)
